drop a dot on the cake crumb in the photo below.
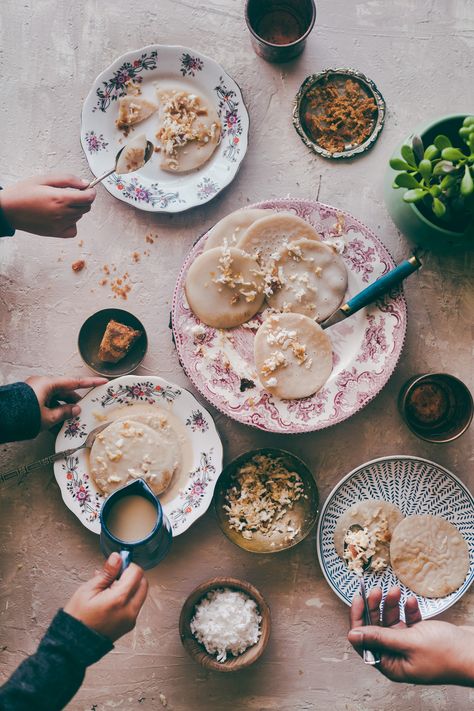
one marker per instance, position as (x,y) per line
(136,257)
(80,243)
(78,266)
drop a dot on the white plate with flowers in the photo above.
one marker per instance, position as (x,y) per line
(152,188)
(189,496)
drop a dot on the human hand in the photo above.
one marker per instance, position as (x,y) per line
(47,205)
(50,390)
(428,652)
(107,605)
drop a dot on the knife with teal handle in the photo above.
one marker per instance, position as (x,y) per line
(374,291)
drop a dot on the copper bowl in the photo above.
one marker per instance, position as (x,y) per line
(198,652)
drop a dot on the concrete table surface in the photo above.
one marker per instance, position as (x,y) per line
(419,53)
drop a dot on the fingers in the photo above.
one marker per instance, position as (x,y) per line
(374,598)
(356,615)
(79,198)
(139,597)
(129,582)
(71,397)
(64,386)
(391,607)
(105,577)
(412,611)
(67,232)
(63,180)
(379,639)
(55,415)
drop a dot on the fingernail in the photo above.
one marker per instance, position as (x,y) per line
(75,410)
(114,558)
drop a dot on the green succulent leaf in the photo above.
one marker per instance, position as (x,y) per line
(408,155)
(471,142)
(415,195)
(447,182)
(435,191)
(439,208)
(432,152)
(444,166)
(468,121)
(418,148)
(425,169)
(466,131)
(467,183)
(406,180)
(453,154)
(399,164)
(442,142)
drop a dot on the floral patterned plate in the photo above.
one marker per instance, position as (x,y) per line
(72,474)
(416,486)
(366,346)
(151,188)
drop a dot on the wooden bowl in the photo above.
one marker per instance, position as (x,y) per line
(198,652)
(90,337)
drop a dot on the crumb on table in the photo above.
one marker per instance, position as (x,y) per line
(78,266)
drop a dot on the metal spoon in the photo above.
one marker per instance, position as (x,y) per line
(368,656)
(21,472)
(148,154)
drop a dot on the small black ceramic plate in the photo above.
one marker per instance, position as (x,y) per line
(90,337)
(339,76)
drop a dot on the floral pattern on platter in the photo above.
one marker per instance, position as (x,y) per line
(95,142)
(416,486)
(206,188)
(185,505)
(230,118)
(366,347)
(190,65)
(115,87)
(151,195)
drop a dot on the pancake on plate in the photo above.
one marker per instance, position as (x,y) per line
(133,108)
(312,279)
(293,355)
(224,287)
(429,555)
(233,227)
(145,447)
(378,520)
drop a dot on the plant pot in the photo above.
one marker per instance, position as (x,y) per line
(407,217)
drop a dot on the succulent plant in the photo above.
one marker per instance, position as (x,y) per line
(440,177)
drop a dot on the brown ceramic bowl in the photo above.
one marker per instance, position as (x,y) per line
(303,514)
(197,650)
(437,407)
(90,337)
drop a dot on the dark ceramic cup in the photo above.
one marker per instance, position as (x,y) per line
(279,28)
(437,407)
(146,552)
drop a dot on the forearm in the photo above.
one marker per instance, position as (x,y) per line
(20,416)
(48,679)
(6,228)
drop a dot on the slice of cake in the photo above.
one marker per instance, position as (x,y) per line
(117,341)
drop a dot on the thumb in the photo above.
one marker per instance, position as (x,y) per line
(382,639)
(105,577)
(65,180)
(58,414)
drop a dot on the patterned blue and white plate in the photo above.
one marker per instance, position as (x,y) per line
(151,188)
(187,498)
(416,486)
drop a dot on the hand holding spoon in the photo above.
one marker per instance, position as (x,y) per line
(119,159)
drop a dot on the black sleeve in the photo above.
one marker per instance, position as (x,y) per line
(6,229)
(48,679)
(20,416)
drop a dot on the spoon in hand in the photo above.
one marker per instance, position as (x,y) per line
(368,656)
(146,157)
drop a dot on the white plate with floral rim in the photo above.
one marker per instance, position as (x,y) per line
(78,490)
(366,346)
(416,486)
(151,188)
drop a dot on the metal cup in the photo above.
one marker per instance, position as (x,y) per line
(456,412)
(279,28)
(148,551)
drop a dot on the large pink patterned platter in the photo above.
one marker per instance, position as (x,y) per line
(366,346)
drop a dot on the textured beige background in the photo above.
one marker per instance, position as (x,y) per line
(420,53)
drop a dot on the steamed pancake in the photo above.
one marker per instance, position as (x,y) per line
(233,227)
(132,157)
(312,279)
(379,518)
(224,287)
(266,236)
(133,109)
(293,356)
(429,555)
(145,447)
(189,130)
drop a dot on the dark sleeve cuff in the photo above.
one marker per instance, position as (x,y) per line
(20,416)
(83,643)
(6,229)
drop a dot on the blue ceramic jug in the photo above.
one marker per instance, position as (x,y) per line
(146,552)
